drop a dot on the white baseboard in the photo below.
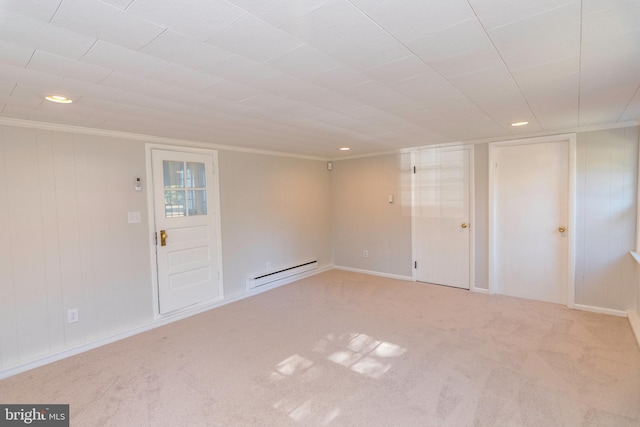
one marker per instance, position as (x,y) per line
(634,319)
(374,273)
(480,290)
(612,312)
(156,323)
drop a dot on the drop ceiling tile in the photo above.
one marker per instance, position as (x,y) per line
(435,94)
(94,18)
(185,51)
(193,18)
(378,95)
(39,9)
(541,75)
(33,78)
(339,77)
(464,37)
(129,83)
(408,20)
(35,34)
(496,93)
(552,91)
(404,68)
(231,91)
(178,76)
(602,20)
(498,13)
(272,103)
(279,13)
(611,53)
(468,63)
(304,61)
(254,39)
(64,67)
(14,54)
(371,55)
(543,38)
(605,103)
(197,103)
(76,88)
(6,88)
(337,25)
(111,56)
(24,96)
(632,111)
(320,97)
(242,70)
(461,49)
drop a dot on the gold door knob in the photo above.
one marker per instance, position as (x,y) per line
(163,238)
(464,225)
(562,229)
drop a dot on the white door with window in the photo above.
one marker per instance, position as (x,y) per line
(441,216)
(186,218)
(531,228)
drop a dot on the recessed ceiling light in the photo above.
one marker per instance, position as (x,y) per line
(59,99)
(345,148)
(519,123)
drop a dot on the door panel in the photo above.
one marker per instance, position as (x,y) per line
(441,216)
(531,205)
(184,188)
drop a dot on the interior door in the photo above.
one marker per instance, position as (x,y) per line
(187,236)
(442,210)
(531,194)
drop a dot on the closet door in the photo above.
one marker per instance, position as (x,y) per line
(442,212)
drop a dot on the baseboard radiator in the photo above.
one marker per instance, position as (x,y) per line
(263,279)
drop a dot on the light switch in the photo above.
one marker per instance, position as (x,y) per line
(135,218)
(390,198)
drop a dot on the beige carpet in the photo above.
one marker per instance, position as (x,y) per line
(346,349)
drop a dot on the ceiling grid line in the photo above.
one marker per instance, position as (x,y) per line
(312,75)
(55,12)
(427,64)
(505,64)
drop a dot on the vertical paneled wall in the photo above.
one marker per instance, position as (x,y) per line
(66,241)
(606,217)
(480,228)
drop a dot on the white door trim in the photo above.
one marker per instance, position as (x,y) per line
(151,220)
(472,211)
(571,138)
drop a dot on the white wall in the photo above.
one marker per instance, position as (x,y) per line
(65,241)
(363,219)
(274,209)
(607,164)
(606,216)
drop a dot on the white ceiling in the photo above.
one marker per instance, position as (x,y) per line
(310,76)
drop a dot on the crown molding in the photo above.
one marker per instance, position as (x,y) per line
(146,138)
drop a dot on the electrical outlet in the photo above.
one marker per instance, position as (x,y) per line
(268,265)
(365,253)
(72,315)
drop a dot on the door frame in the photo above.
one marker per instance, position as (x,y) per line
(149,147)
(571,205)
(472,212)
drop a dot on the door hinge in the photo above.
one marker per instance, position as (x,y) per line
(415,264)
(414,169)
